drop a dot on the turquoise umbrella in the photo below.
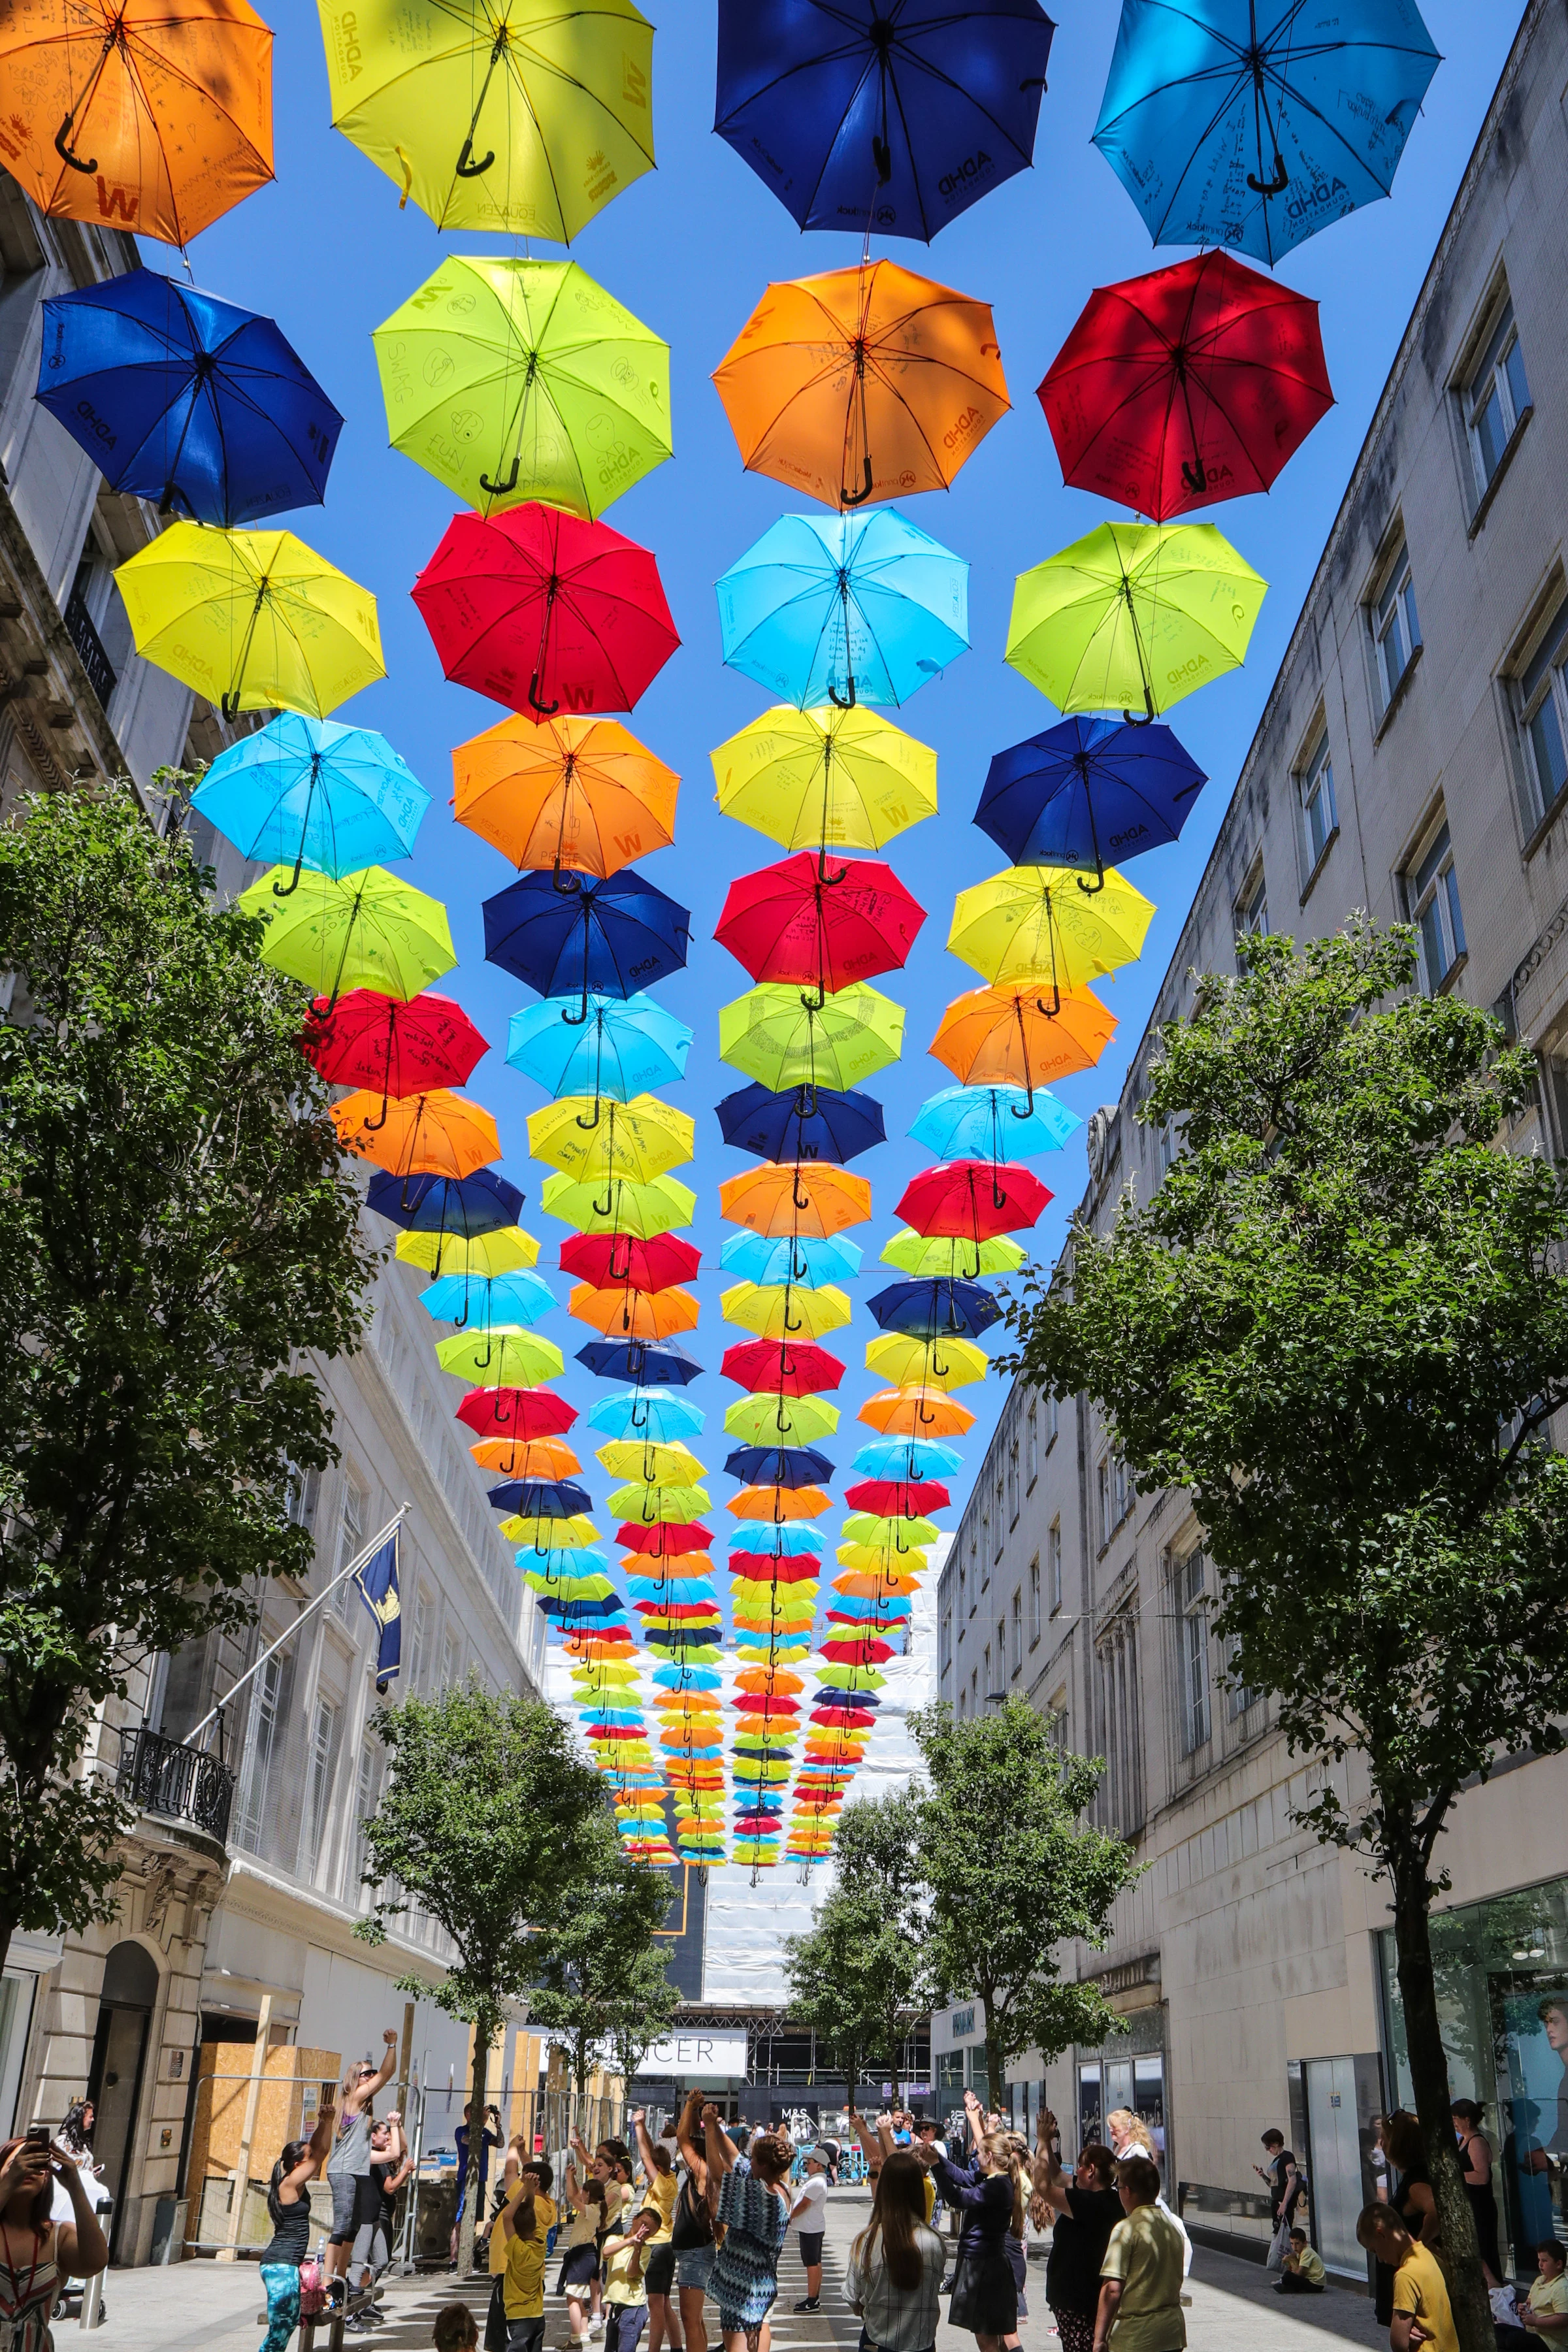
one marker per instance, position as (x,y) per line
(992,1123)
(753,1257)
(654,1414)
(307,792)
(479,1302)
(624,1048)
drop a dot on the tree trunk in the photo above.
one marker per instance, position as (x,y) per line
(484,2034)
(851,2082)
(1429,2076)
(996,2068)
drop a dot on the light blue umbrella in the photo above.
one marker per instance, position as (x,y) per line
(557,1559)
(479,1302)
(753,1257)
(307,792)
(621,1050)
(992,1123)
(906,1458)
(845,608)
(655,1414)
(679,1678)
(793,1540)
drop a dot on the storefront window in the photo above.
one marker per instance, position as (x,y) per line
(1124,2077)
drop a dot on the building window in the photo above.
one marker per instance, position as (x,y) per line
(1495,398)
(962,1588)
(1542,698)
(352,1517)
(1032,1459)
(1018,1631)
(946,1652)
(421,1633)
(1319,818)
(1000,1522)
(1239,1695)
(1396,628)
(318,1784)
(1252,906)
(1193,1651)
(1034,1601)
(986,1663)
(1115,1493)
(261,1745)
(364,1807)
(1053,1421)
(1013,1484)
(451,1674)
(1056,1560)
(1057,1720)
(1432,895)
(304,1492)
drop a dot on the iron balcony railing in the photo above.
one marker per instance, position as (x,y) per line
(162,1776)
(90,647)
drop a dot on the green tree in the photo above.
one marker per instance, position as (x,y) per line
(832,1986)
(879,1914)
(179,1228)
(600,1978)
(1013,1874)
(489,1822)
(1341,1323)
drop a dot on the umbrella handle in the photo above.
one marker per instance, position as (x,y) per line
(640,1419)
(286,890)
(797,1199)
(844,703)
(67,154)
(857,498)
(588,1125)
(468,170)
(883,156)
(1149,707)
(601,1208)
(814,1002)
(1261,187)
(370,1126)
(498,489)
(1092,889)
(545,709)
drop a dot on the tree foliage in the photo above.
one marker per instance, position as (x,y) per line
(179,1227)
(601,1983)
(1342,1323)
(858,1975)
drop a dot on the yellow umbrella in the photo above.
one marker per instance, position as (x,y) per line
(502,1359)
(639,1139)
(253,619)
(551,1535)
(615,1206)
(669,1465)
(943,1364)
(1036,922)
(836,778)
(877,1561)
(502,1251)
(785,1310)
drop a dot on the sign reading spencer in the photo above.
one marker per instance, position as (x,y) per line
(697,2053)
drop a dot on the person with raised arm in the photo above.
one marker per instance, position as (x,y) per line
(349,2163)
(1080,2214)
(288,2210)
(989,2201)
(748,2195)
(692,2229)
(659,2195)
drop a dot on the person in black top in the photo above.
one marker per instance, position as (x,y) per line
(290,2209)
(1410,2200)
(1082,2213)
(1476,2163)
(1283,2177)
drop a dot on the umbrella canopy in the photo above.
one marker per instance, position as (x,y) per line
(773,1035)
(1134,616)
(435,1134)
(865,116)
(639,1211)
(362,931)
(821,923)
(518,116)
(780,1420)
(671,1464)
(654,1414)
(522,1416)
(637,1139)
(1087,791)
(622,1313)
(1022,1036)
(780,1504)
(785,1368)
(639,1361)
(778,1465)
(863,383)
(623,1048)
(784,1543)
(541,1498)
(510,380)
(1036,923)
(992,1123)
(499,1251)
(680,1541)
(895,1499)
(481,1302)
(608,1260)
(798,1260)
(970,1199)
(306,792)
(1189,385)
(817,1125)
(367,1039)
(795,1198)
(825,779)
(935,1310)
(452,1215)
(940,1364)
(577,792)
(780,1312)
(131,114)
(845,608)
(199,407)
(545,1460)
(916,1255)
(253,619)
(504,1359)
(603,938)
(1244,125)
(907,1458)
(644,1505)
(537,608)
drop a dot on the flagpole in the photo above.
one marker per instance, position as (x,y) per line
(359,1561)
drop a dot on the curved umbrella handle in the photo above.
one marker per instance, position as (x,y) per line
(563,878)
(814,1002)
(545,709)
(466,168)
(286,890)
(587,1126)
(602,1208)
(1149,707)
(798,1323)
(67,154)
(843,702)
(483,1363)
(799,1200)
(1092,889)
(641,1418)
(857,498)
(1274,187)
(499,489)
(625,1273)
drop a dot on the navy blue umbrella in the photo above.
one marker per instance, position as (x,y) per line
(480,1204)
(640,1361)
(177,398)
(928,1310)
(572,934)
(895,115)
(804,1123)
(1088,792)
(779,1466)
(541,1498)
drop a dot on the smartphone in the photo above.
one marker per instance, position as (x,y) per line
(37,2135)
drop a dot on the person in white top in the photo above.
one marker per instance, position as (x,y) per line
(1130,2136)
(895,2268)
(809,2211)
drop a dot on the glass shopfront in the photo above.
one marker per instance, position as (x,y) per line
(1502,1996)
(1128,2072)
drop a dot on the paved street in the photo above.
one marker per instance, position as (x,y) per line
(209,2307)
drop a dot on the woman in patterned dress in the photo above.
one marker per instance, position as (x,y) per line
(37,2253)
(753,2205)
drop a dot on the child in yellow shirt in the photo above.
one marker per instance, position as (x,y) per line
(518,2247)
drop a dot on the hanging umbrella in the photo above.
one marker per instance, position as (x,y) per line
(992,1123)
(671,1540)
(201,408)
(895,1499)
(639,1139)
(770,1035)
(1022,1036)
(845,608)
(622,1313)
(780,1420)
(510,380)
(537,608)
(655,1414)
(1253,126)
(1034,923)
(480,1302)
(671,1464)
(615,1207)
(521,1414)
(518,117)
(790,1368)
(1189,385)
(253,619)
(453,1215)
(796,1260)
(546,1460)
(639,1361)
(622,1049)
(793,1543)
(778,1465)
(435,1134)
(819,1125)
(367,1039)
(820,923)
(504,1359)
(645,1505)
(127,113)
(499,1251)
(796,1198)
(582,793)
(936,1308)
(603,938)
(968,1198)
(780,1504)
(863,383)
(1089,790)
(916,1255)
(907,1458)
(1134,616)
(362,931)
(540,1498)
(866,116)
(780,1312)
(825,779)
(940,1364)
(545,1531)
(607,1260)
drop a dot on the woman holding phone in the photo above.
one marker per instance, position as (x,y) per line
(35,2251)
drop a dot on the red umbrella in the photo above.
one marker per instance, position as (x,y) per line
(522,1413)
(1192,385)
(611,1260)
(372,1041)
(666,1539)
(538,609)
(771,1567)
(782,1368)
(824,922)
(894,1499)
(971,1200)
(857,1654)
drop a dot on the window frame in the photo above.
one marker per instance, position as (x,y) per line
(1037,1619)
(1053,1534)
(1391,607)
(1189,1586)
(1440,894)
(1314,768)
(1545,645)
(1032,1449)
(1487,360)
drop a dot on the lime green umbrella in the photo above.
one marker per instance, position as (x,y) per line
(1134,616)
(775,1036)
(500,1360)
(882,1534)
(612,1205)
(512,380)
(912,1254)
(645,1502)
(365,931)
(774,1420)
(521,117)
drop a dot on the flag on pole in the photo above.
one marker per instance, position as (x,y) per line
(377,1581)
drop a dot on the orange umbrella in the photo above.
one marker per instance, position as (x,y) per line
(799,1197)
(435,1134)
(622,1314)
(915,1413)
(577,792)
(778,1504)
(1022,1036)
(861,1585)
(863,383)
(681,1565)
(546,1457)
(135,115)
(769,1681)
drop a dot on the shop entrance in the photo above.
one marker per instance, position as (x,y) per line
(118,2058)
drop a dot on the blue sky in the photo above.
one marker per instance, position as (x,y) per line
(689,248)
